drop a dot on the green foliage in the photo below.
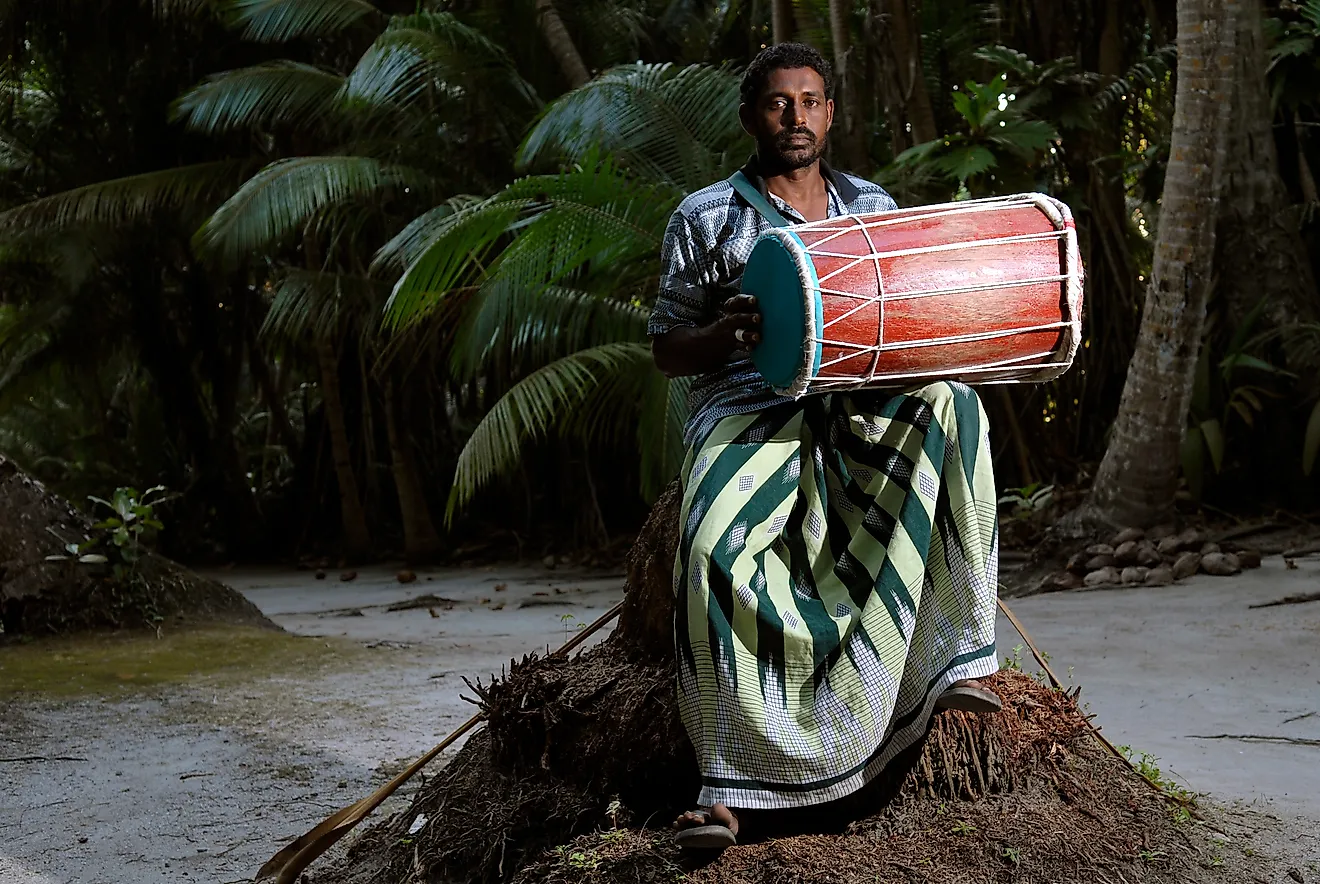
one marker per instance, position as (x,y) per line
(278,21)
(1294,70)
(121,536)
(278,92)
(996,152)
(1027,501)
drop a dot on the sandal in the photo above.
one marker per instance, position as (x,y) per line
(712,836)
(966,698)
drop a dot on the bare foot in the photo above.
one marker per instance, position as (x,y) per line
(719,815)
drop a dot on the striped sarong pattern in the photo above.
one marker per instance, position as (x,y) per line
(837,571)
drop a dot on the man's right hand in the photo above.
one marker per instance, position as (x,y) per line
(688,351)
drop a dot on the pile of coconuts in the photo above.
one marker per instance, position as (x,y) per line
(1155,557)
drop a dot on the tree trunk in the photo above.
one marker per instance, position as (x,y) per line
(421,542)
(847,135)
(1136,481)
(357,538)
(907,101)
(1259,248)
(43,597)
(781,20)
(561,44)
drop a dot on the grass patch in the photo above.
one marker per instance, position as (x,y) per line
(121,664)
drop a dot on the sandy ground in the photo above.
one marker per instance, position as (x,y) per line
(205,781)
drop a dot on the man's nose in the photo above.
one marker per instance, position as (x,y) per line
(795,115)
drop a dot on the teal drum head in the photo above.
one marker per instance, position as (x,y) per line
(783,279)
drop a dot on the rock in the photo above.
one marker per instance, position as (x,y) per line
(1220,564)
(1296,876)
(348,575)
(1209,548)
(548,561)
(1159,532)
(1077,562)
(1167,546)
(1095,563)
(1126,552)
(1161,576)
(1104,577)
(1148,555)
(1134,574)
(1248,558)
(1061,582)
(1187,565)
(320,575)
(1127,535)
(405,576)
(1099,549)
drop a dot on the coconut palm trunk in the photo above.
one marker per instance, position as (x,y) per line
(847,135)
(1260,254)
(357,537)
(781,20)
(1138,477)
(907,101)
(421,542)
(561,44)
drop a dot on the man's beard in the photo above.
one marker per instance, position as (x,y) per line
(785,156)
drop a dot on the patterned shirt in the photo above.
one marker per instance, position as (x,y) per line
(706,246)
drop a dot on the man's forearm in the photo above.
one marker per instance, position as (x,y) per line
(685,351)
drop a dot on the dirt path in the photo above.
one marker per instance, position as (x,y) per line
(202,781)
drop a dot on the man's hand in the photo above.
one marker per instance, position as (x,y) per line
(688,351)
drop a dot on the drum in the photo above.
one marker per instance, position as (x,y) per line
(980,291)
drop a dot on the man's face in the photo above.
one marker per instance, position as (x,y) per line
(791,119)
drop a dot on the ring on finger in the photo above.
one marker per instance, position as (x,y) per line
(740,335)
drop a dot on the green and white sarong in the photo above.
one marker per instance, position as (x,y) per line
(837,572)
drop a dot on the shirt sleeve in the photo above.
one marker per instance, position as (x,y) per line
(685,280)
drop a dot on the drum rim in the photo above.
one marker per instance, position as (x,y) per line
(809,292)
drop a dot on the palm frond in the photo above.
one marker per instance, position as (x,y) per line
(1147,73)
(433,52)
(276,92)
(593,215)
(320,305)
(674,125)
(123,201)
(277,21)
(280,198)
(168,9)
(539,402)
(409,244)
(523,325)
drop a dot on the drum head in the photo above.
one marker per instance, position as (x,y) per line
(783,279)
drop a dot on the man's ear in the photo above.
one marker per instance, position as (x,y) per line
(745,117)
(829,114)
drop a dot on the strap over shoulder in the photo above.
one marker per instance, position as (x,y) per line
(757,200)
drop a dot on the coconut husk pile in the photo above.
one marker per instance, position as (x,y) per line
(1155,557)
(584,764)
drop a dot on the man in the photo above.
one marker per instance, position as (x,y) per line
(837,571)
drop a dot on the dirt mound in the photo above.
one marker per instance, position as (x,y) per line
(39,596)
(584,763)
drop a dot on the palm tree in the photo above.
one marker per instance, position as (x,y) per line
(1136,481)
(421,69)
(563,265)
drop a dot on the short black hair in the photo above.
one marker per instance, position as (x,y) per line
(783,56)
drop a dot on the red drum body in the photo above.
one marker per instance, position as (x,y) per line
(982,291)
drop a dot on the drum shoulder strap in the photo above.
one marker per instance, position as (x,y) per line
(763,206)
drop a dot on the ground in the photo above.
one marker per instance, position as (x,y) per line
(120,771)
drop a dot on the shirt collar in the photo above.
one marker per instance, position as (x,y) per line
(846,190)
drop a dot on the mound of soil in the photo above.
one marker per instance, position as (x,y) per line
(584,763)
(42,597)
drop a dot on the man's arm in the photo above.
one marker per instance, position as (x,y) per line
(687,350)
